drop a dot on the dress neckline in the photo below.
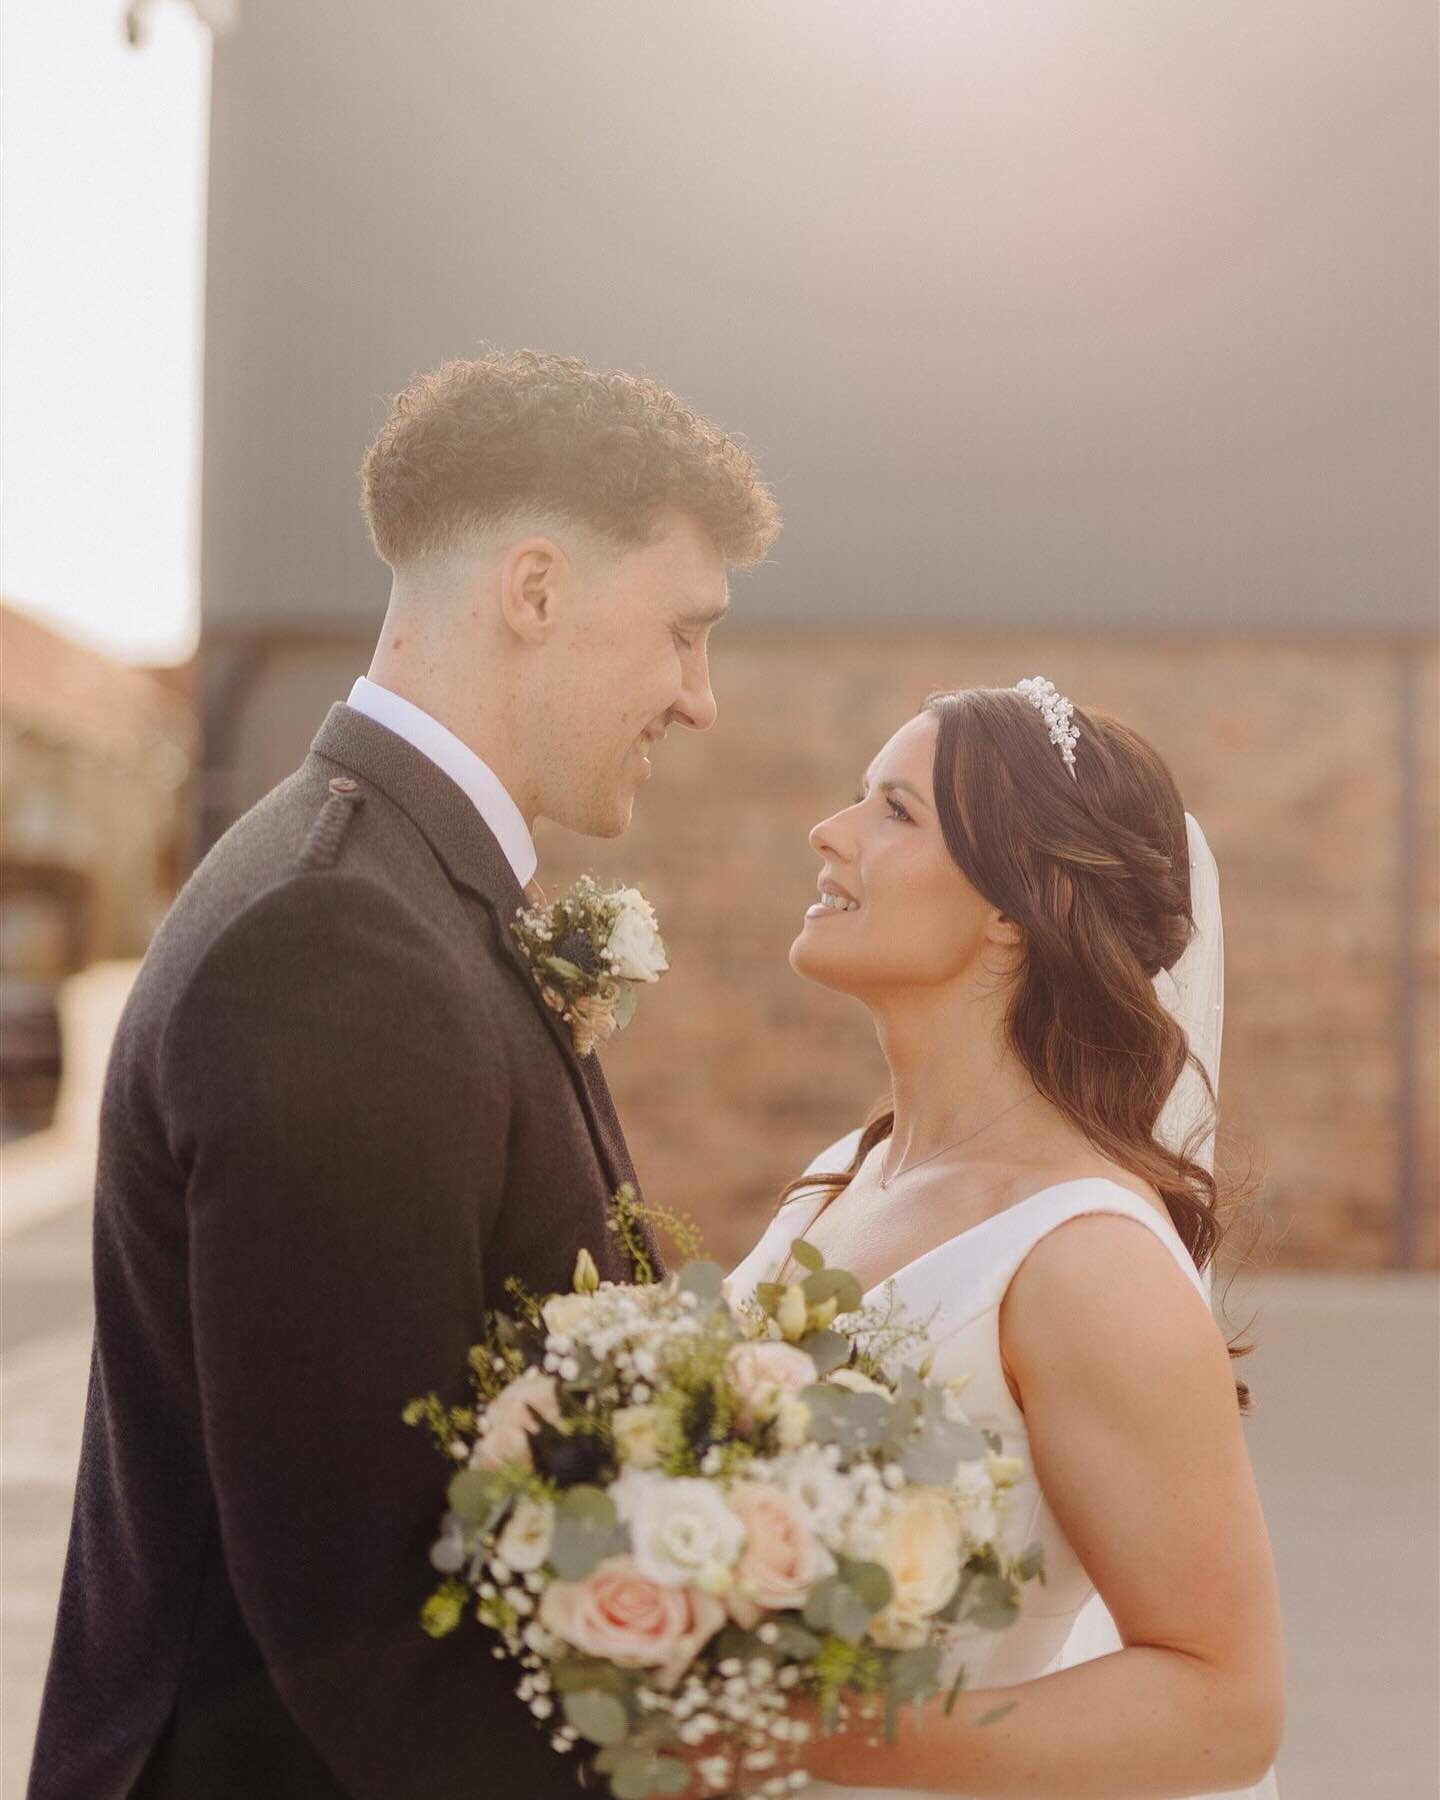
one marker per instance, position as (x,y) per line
(1005,1212)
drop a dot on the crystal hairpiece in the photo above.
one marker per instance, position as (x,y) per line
(1056,711)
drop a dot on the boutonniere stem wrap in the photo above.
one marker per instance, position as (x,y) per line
(587,950)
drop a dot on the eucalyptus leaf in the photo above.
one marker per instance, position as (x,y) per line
(474,1494)
(849,1615)
(840,1416)
(703,1279)
(912,1388)
(835,1608)
(625,1004)
(587,1504)
(563,967)
(870,1582)
(576,1550)
(932,1454)
(794,1641)
(838,1285)
(572,1675)
(769,1294)
(1032,1563)
(734,1640)
(587,1530)
(997,1712)
(448,1553)
(807,1256)
(643,1773)
(600,1717)
(827,1350)
(991,1603)
(670,1775)
(954,1694)
(913,1673)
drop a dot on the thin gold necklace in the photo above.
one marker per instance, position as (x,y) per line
(885,1179)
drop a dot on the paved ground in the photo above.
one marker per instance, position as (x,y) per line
(1344,1442)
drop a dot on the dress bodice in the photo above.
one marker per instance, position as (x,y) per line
(954,1293)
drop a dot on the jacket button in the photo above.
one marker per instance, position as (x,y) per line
(342,784)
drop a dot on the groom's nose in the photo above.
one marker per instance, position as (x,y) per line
(696,705)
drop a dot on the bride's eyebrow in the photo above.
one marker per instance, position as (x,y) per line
(892,787)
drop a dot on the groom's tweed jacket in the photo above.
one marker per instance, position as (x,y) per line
(337,1117)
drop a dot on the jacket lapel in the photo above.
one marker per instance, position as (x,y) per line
(474,861)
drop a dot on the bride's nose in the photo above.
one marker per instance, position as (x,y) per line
(829,838)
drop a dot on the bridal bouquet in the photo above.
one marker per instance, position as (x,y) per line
(680,1515)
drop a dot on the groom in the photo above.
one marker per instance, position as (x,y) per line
(338,1117)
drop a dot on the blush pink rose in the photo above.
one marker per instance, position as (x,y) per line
(508,1420)
(618,1614)
(782,1558)
(763,1373)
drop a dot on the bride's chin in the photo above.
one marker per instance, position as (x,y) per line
(811,962)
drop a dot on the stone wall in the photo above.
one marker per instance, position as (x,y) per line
(1292,753)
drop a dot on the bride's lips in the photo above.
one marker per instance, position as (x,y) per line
(821,911)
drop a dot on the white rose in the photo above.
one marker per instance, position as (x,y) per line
(920,1547)
(680,1529)
(565,1313)
(637,1436)
(636,951)
(525,1541)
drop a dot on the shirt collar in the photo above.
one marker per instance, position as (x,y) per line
(474,777)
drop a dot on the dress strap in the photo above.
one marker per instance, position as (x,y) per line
(982,1262)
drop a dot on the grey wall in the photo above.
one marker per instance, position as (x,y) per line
(1119,313)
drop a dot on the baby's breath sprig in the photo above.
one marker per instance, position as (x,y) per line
(446,1424)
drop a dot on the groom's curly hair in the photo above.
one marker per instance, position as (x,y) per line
(1095,871)
(474,443)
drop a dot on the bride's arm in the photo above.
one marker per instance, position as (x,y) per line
(1130,1408)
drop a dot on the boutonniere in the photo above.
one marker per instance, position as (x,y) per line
(587,950)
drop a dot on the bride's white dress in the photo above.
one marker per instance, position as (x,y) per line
(962,1283)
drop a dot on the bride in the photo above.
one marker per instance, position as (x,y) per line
(1010,895)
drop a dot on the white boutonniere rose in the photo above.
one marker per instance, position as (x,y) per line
(636,951)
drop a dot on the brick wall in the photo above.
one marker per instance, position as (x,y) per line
(1290,752)
(736,1072)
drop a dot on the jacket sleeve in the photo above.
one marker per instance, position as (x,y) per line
(340,1102)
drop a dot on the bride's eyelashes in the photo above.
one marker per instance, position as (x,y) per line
(897,811)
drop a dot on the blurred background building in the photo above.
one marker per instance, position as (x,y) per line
(1083,337)
(1093,339)
(94,760)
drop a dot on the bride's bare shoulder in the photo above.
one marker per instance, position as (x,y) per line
(1083,1164)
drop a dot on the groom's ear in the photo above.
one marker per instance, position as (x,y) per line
(529,577)
(1004,930)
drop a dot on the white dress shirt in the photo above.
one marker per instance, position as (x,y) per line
(476,779)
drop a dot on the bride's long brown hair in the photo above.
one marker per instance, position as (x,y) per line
(1095,871)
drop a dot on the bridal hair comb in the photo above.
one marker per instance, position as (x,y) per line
(1056,711)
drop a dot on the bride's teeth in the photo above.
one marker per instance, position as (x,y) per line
(834,903)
